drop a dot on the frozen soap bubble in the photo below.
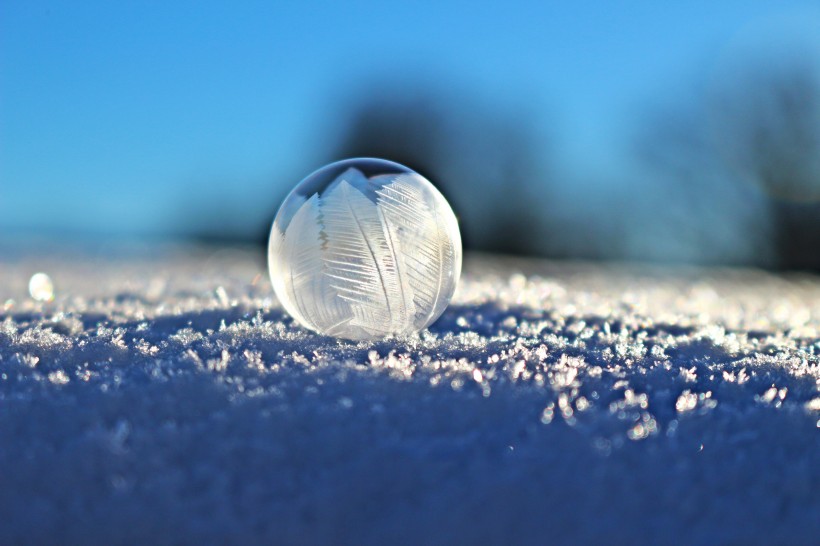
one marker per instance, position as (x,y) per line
(365,248)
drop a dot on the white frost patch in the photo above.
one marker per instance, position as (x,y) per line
(58,378)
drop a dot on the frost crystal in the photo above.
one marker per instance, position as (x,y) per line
(363,249)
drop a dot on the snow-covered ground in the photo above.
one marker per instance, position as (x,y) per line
(163,397)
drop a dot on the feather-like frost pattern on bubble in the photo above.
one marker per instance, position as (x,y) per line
(307,284)
(361,259)
(428,253)
(366,257)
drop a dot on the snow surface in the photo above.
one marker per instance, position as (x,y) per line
(165,398)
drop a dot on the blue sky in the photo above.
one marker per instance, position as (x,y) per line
(113,115)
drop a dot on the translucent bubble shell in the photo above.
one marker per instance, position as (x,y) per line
(365,248)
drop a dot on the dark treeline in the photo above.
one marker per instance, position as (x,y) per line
(483,160)
(731,177)
(743,164)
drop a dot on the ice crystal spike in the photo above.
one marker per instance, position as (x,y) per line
(363,249)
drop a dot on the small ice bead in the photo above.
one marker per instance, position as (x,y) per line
(364,248)
(40,287)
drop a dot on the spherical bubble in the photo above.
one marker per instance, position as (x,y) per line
(365,248)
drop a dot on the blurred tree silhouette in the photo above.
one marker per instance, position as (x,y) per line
(767,127)
(486,160)
(737,177)
(483,159)
(690,207)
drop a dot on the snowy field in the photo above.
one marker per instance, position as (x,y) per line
(164,398)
